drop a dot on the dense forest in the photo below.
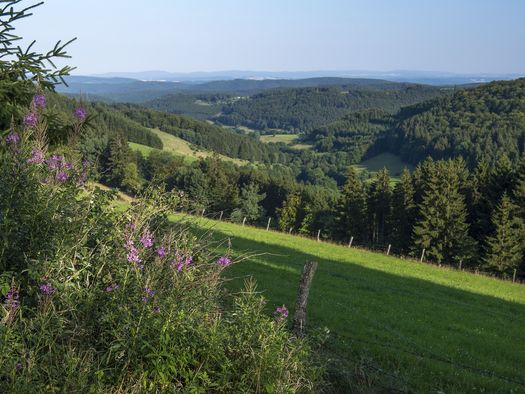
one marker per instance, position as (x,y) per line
(302,110)
(479,123)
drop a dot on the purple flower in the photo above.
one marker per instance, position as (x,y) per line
(12,138)
(111,288)
(161,252)
(133,255)
(19,366)
(147,239)
(12,299)
(55,162)
(281,312)
(188,260)
(224,261)
(156,309)
(39,101)
(148,294)
(47,289)
(30,120)
(62,177)
(80,113)
(37,157)
(178,263)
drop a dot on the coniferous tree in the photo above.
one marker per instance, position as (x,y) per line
(351,219)
(288,213)
(443,229)
(504,248)
(379,207)
(249,205)
(116,157)
(403,213)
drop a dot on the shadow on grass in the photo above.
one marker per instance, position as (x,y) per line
(395,332)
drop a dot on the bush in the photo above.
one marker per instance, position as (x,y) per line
(101,301)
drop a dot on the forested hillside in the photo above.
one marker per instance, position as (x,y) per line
(302,110)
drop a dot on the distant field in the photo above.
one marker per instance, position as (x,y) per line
(413,327)
(288,139)
(392,162)
(180,147)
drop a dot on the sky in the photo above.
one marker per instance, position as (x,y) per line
(462,36)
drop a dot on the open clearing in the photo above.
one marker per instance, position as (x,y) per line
(288,139)
(415,327)
(180,147)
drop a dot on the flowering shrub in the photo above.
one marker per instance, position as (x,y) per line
(99,301)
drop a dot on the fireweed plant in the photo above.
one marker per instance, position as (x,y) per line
(93,300)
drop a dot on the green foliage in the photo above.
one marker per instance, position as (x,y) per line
(288,213)
(505,246)
(403,213)
(249,204)
(351,220)
(443,229)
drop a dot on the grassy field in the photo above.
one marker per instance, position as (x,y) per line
(288,139)
(392,162)
(180,147)
(394,324)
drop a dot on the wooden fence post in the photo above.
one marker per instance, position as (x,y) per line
(243,221)
(290,231)
(460,264)
(268,225)
(388,250)
(203,210)
(319,236)
(422,255)
(514,276)
(350,243)
(220,217)
(299,320)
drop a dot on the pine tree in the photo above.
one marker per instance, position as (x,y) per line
(504,248)
(115,159)
(351,219)
(443,230)
(288,213)
(403,213)
(249,205)
(379,207)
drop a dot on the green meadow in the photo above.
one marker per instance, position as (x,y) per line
(394,324)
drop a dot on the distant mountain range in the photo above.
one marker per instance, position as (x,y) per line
(424,77)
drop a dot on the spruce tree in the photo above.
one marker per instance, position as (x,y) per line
(443,229)
(379,207)
(403,213)
(249,204)
(504,248)
(288,213)
(351,217)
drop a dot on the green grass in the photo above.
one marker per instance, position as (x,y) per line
(392,162)
(179,147)
(414,326)
(288,139)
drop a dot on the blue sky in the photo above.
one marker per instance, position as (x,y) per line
(465,36)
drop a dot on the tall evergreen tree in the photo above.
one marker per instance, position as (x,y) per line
(443,229)
(379,207)
(249,204)
(403,213)
(288,213)
(351,219)
(504,248)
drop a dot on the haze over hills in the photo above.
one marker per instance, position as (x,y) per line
(414,76)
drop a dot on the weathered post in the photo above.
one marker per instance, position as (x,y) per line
(203,210)
(350,243)
(299,320)
(243,221)
(388,250)
(460,264)
(268,225)
(319,236)
(514,276)
(290,231)
(220,217)
(422,255)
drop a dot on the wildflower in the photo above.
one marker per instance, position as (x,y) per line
(12,138)
(12,299)
(68,166)
(147,239)
(281,312)
(161,252)
(62,177)
(111,288)
(39,101)
(47,289)
(188,261)
(178,263)
(80,113)
(30,120)
(156,309)
(37,157)
(19,366)
(148,294)
(224,261)
(133,255)
(55,162)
